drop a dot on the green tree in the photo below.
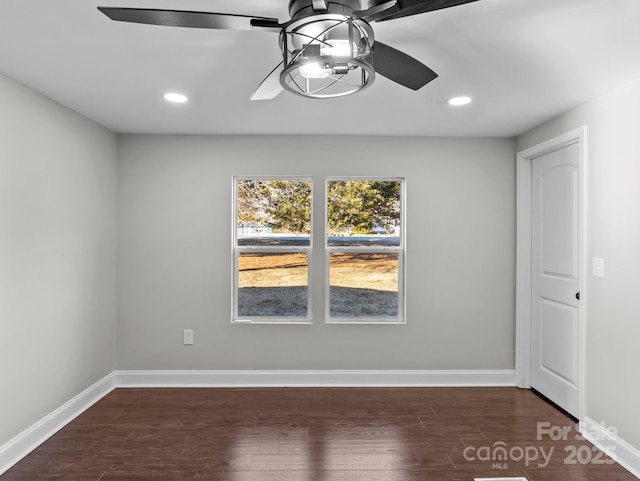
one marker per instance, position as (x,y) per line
(250,208)
(356,206)
(289,205)
(353,206)
(284,205)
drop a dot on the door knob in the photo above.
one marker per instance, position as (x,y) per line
(578,295)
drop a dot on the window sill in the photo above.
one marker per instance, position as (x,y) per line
(272,321)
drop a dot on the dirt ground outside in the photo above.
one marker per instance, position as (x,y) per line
(361,284)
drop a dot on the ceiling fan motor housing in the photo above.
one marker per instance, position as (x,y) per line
(303,8)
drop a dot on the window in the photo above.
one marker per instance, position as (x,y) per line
(272,242)
(365,250)
(273,269)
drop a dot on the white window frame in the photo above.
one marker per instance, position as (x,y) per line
(237,250)
(400,250)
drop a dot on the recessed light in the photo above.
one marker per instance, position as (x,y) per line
(458,101)
(175,97)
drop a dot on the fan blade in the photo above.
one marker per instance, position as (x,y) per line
(400,67)
(270,87)
(183,18)
(404,8)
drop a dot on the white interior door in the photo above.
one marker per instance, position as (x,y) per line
(555,283)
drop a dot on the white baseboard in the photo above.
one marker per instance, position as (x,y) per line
(25,442)
(315,378)
(607,440)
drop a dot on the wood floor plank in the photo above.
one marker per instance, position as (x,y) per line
(314,434)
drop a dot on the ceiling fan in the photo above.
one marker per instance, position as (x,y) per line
(328,46)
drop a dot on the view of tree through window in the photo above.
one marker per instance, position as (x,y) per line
(273,242)
(273,238)
(362,207)
(364,244)
(278,207)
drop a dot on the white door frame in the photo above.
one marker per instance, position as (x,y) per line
(523,258)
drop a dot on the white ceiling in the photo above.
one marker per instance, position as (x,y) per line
(522,61)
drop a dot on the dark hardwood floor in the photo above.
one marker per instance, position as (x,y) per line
(319,434)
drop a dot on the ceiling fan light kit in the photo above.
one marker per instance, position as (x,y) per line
(326,55)
(328,46)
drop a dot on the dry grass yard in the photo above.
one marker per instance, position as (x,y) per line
(365,271)
(362,284)
(272,270)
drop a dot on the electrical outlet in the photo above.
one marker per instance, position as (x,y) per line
(188,337)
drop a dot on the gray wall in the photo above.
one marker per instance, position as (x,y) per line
(174,254)
(613,303)
(57,255)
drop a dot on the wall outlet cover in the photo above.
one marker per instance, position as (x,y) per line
(188,337)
